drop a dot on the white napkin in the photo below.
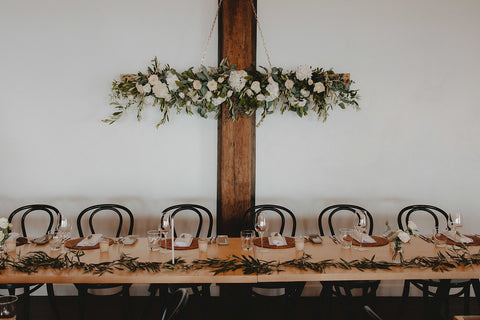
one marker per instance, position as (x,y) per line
(276,239)
(358,236)
(90,241)
(452,235)
(13,235)
(185,240)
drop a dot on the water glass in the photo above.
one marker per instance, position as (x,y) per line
(104,244)
(56,242)
(439,238)
(346,238)
(11,245)
(246,237)
(203,244)
(153,237)
(7,307)
(299,243)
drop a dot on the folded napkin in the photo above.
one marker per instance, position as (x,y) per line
(185,240)
(457,237)
(359,236)
(90,241)
(276,239)
(13,235)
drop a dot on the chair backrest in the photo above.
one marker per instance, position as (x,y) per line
(201,212)
(176,302)
(249,216)
(330,211)
(118,211)
(371,314)
(436,213)
(52,212)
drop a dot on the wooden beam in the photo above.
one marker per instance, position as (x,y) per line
(236,140)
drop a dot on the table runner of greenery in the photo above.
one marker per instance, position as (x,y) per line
(34,261)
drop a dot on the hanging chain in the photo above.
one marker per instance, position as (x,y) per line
(261,35)
(210,35)
(213,27)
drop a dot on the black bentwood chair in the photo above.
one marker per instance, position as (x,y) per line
(343,289)
(292,290)
(121,214)
(52,217)
(201,214)
(371,314)
(176,303)
(435,288)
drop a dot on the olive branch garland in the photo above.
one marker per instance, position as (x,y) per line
(36,260)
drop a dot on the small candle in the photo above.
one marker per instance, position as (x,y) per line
(11,246)
(104,244)
(299,243)
(203,244)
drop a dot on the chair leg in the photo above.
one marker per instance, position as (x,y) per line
(51,299)
(82,297)
(325,301)
(476,290)
(26,302)
(466,299)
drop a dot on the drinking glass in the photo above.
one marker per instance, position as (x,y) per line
(456,221)
(64,228)
(164,228)
(246,237)
(261,226)
(299,243)
(203,244)
(7,307)
(153,237)
(439,238)
(361,227)
(346,238)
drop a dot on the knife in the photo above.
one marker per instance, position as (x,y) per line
(335,240)
(425,238)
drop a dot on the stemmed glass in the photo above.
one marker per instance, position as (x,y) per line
(361,226)
(456,221)
(64,228)
(261,226)
(164,228)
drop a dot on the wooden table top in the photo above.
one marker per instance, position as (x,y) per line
(328,249)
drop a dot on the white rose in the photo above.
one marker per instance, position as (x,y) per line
(249,92)
(403,236)
(168,97)
(302,103)
(197,84)
(289,84)
(172,81)
(147,88)
(303,73)
(221,79)
(237,79)
(139,88)
(149,100)
(412,226)
(310,82)
(305,93)
(208,95)
(212,85)
(229,93)
(274,91)
(255,87)
(319,87)
(181,95)
(3,223)
(218,101)
(260,97)
(153,79)
(160,90)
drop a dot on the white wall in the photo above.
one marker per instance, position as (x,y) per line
(414,141)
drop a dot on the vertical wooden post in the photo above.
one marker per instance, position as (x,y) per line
(236,140)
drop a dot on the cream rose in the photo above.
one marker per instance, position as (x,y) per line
(218,101)
(197,84)
(221,79)
(172,81)
(249,92)
(260,97)
(403,236)
(229,93)
(153,79)
(212,85)
(274,91)
(147,88)
(3,223)
(255,87)
(237,79)
(160,90)
(289,84)
(139,88)
(310,82)
(305,93)
(208,95)
(319,87)
(303,73)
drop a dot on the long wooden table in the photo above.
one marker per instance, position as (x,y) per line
(328,249)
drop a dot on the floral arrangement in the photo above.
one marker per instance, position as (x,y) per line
(242,91)
(5,228)
(398,237)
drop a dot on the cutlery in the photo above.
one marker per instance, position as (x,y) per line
(335,240)
(421,236)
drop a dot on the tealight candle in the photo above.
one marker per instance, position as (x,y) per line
(11,245)
(104,244)
(203,244)
(299,243)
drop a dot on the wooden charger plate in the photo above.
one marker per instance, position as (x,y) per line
(379,242)
(258,242)
(476,240)
(21,241)
(72,244)
(193,245)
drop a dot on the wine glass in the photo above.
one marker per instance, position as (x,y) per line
(164,228)
(64,228)
(361,226)
(456,221)
(261,226)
